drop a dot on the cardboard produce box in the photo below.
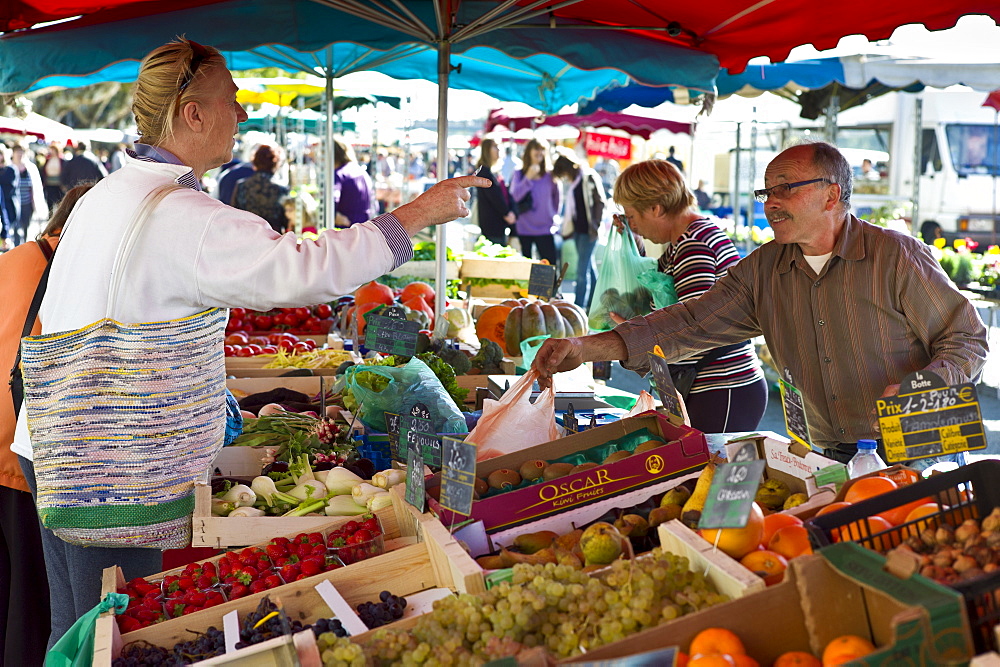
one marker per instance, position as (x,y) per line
(844,589)
(685,450)
(431,560)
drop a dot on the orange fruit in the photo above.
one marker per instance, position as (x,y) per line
(862,531)
(846,648)
(768,565)
(930,509)
(797,659)
(772,522)
(715,641)
(738,542)
(832,507)
(744,661)
(897,515)
(791,541)
(869,487)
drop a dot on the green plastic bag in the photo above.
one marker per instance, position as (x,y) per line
(76,647)
(618,288)
(661,285)
(381,389)
(529,348)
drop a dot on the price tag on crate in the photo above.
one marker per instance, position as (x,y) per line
(341,608)
(542,280)
(458,475)
(733,489)
(665,384)
(415,491)
(417,432)
(392,430)
(390,332)
(794,407)
(930,418)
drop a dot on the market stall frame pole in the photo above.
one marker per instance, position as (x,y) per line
(441,244)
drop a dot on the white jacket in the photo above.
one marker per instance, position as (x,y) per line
(193,253)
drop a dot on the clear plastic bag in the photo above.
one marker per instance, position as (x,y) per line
(398,389)
(514,423)
(618,288)
(661,286)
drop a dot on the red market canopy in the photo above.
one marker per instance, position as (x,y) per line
(993,100)
(733,30)
(636,125)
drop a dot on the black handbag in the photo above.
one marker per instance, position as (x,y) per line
(683,375)
(524,204)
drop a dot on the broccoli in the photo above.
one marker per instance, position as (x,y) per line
(456,359)
(488,359)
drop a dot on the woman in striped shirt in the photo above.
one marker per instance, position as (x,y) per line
(729,392)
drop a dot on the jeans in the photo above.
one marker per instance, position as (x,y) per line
(586,269)
(75,572)
(728,410)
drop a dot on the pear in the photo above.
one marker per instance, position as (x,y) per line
(632,525)
(664,513)
(676,496)
(601,544)
(794,500)
(772,494)
(530,543)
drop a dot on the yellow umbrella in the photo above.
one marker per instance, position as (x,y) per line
(265,97)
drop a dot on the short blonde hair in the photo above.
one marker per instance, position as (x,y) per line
(643,185)
(158,98)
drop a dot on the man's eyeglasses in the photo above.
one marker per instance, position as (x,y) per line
(199,54)
(782,190)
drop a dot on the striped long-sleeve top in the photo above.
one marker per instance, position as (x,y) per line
(702,255)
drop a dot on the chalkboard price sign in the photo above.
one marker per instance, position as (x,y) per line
(389,333)
(602,370)
(665,386)
(458,475)
(930,418)
(392,430)
(794,407)
(542,280)
(415,491)
(418,434)
(570,422)
(734,487)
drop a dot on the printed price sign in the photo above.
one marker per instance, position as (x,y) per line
(930,418)
(569,420)
(415,491)
(418,434)
(458,475)
(794,407)
(602,370)
(665,385)
(392,430)
(734,487)
(542,280)
(390,332)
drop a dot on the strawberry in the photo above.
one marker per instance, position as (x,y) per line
(373,526)
(318,550)
(195,598)
(337,543)
(141,586)
(174,608)
(185,583)
(315,538)
(289,571)
(225,567)
(258,586)
(208,567)
(301,577)
(312,565)
(246,575)
(214,598)
(128,624)
(273,581)
(151,602)
(206,581)
(238,591)
(360,537)
(148,616)
(276,551)
(350,527)
(190,609)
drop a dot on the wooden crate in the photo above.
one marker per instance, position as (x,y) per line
(222,532)
(517,268)
(431,559)
(729,577)
(241,387)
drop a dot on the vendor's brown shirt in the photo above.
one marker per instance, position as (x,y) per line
(880,309)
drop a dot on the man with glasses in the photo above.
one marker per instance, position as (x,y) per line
(847,309)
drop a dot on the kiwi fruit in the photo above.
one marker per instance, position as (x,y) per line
(503,479)
(532,469)
(480,486)
(583,466)
(554,470)
(614,457)
(646,446)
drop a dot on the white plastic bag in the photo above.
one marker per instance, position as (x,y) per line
(514,422)
(645,403)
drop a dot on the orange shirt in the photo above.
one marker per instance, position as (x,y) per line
(20,270)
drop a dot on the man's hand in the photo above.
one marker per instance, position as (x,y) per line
(557,355)
(617,223)
(510,218)
(444,202)
(891,390)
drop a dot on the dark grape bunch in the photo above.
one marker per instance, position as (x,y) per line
(329,625)
(377,614)
(252,631)
(208,644)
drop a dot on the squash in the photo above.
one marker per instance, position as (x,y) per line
(374,292)
(491,324)
(417,288)
(459,319)
(512,332)
(558,319)
(418,303)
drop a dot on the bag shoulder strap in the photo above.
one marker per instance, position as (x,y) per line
(129,238)
(717,353)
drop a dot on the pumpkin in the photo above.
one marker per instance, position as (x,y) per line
(417,288)
(374,292)
(417,303)
(358,312)
(458,319)
(491,323)
(557,319)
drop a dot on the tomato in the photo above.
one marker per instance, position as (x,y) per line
(287,345)
(238,313)
(244,351)
(323,311)
(237,338)
(255,349)
(233,325)
(229,350)
(259,340)
(292,338)
(269,349)
(275,338)
(301,347)
(302,314)
(263,322)
(311,325)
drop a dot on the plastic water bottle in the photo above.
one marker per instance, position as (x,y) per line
(866,460)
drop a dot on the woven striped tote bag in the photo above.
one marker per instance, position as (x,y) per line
(124,418)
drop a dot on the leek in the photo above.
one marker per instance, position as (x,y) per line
(344,506)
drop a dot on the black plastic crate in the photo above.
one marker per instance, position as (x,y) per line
(980,483)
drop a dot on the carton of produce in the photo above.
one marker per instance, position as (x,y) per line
(435,561)
(842,591)
(579,469)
